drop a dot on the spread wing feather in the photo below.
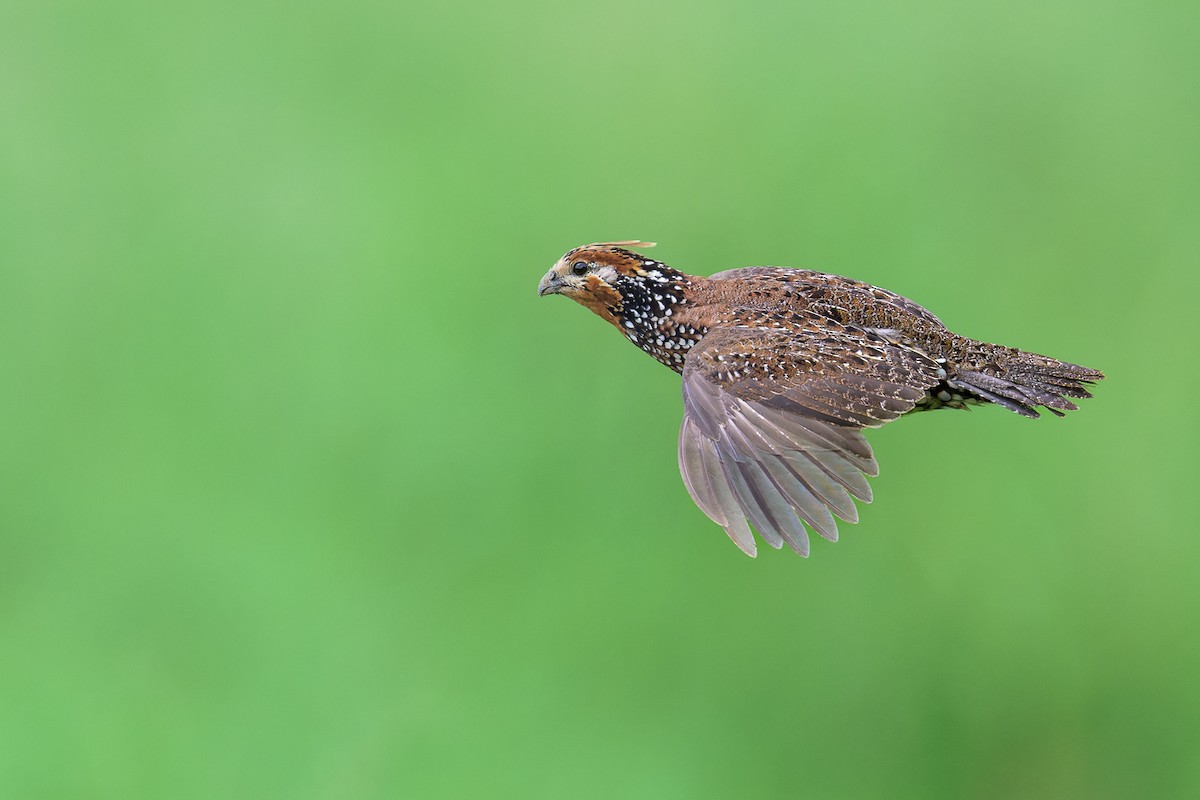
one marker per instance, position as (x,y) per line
(772,426)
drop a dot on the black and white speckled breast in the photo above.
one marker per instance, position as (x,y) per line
(650,301)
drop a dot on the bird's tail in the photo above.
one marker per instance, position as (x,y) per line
(1021,381)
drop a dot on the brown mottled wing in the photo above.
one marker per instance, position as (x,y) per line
(772,421)
(834,296)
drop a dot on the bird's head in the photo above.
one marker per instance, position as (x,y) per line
(591,275)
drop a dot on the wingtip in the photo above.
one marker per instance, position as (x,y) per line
(799,548)
(747,547)
(829,535)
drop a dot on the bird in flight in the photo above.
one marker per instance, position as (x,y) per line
(783,369)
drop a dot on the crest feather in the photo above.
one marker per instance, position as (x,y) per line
(629,243)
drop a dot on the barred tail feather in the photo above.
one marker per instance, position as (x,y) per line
(1021,381)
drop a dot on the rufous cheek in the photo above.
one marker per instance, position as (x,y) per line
(600,298)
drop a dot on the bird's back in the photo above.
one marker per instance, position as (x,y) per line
(970,371)
(782,291)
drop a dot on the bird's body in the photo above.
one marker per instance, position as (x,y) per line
(782,368)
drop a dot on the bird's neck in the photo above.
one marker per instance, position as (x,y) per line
(650,302)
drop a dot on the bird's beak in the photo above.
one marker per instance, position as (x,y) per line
(551,284)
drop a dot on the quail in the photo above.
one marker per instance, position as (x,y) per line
(783,368)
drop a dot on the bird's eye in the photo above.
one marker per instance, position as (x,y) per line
(579,268)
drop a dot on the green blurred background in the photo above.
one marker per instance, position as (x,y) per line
(304,493)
